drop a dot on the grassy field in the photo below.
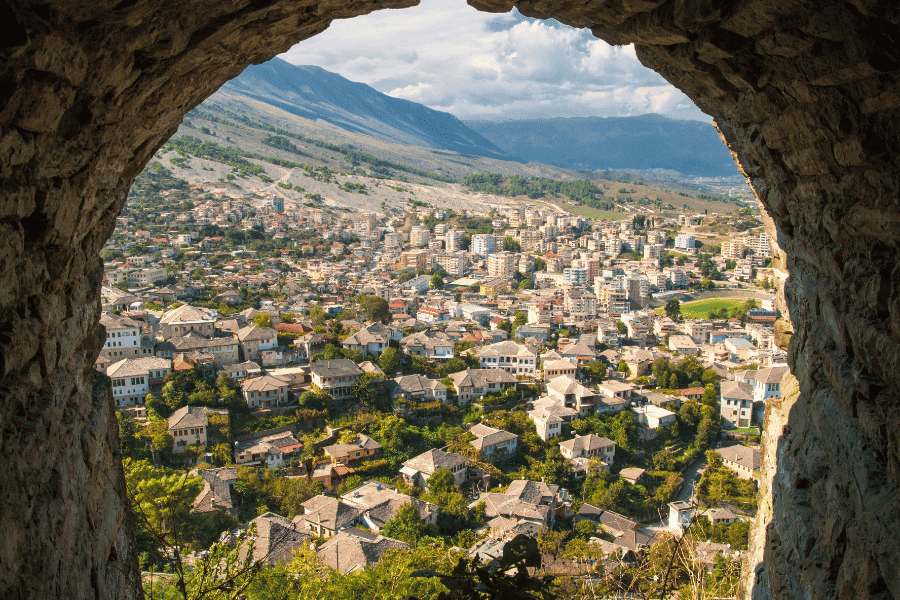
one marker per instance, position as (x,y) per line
(701,309)
(592,213)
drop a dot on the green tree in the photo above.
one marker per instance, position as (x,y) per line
(317,315)
(263,319)
(441,482)
(369,390)
(673,309)
(406,525)
(437,281)
(374,308)
(390,361)
(511,244)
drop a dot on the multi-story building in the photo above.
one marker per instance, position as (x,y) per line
(612,300)
(637,288)
(685,242)
(580,303)
(677,277)
(483,244)
(575,275)
(123,337)
(419,237)
(187,319)
(132,377)
(336,377)
(732,249)
(653,251)
(254,339)
(736,403)
(454,240)
(145,277)
(760,245)
(516,359)
(418,260)
(454,263)
(502,264)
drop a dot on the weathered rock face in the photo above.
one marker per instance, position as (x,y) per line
(806,94)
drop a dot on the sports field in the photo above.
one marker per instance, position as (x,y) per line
(701,309)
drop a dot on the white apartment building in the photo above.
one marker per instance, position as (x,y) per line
(483,244)
(145,277)
(580,303)
(677,277)
(732,249)
(685,242)
(454,263)
(454,240)
(419,237)
(502,264)
(575,275)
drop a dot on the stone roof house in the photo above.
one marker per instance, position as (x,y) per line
(493,443)
(355,549)
(348,453)
(324,515)
(417,470)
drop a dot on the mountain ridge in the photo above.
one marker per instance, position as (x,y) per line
(650,141)
(316,93)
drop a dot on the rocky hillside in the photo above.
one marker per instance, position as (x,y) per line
(320,95)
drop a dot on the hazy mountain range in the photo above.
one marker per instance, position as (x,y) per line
(591,143)
(587,144)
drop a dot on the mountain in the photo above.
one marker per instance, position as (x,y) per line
(591,143)
(316,94)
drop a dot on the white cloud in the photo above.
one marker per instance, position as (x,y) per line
(451,57)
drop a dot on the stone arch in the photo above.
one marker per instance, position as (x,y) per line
(806,94)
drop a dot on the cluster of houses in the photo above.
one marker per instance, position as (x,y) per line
(533,315)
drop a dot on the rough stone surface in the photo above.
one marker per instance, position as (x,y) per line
(805,93)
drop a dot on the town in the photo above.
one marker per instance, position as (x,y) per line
(358,394)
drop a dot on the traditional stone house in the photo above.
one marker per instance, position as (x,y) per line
(185,319)
(515,359)
(187,427)
(372,339)
(571,393)
(254,339)
(131,378)
(419,469)
(417,388)
(493,444)
(472,384)
(265,391)
(743,460)
(348,453)
(589,446)
(550,416)
(335,377)
(429,344)
(736,403)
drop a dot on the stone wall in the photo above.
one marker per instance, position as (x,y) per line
(806,94)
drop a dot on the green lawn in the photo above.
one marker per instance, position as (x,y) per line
(700,309)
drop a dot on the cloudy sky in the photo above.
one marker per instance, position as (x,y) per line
(451,57)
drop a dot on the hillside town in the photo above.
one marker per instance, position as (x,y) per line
(350,386)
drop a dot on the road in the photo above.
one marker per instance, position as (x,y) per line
(691,475)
